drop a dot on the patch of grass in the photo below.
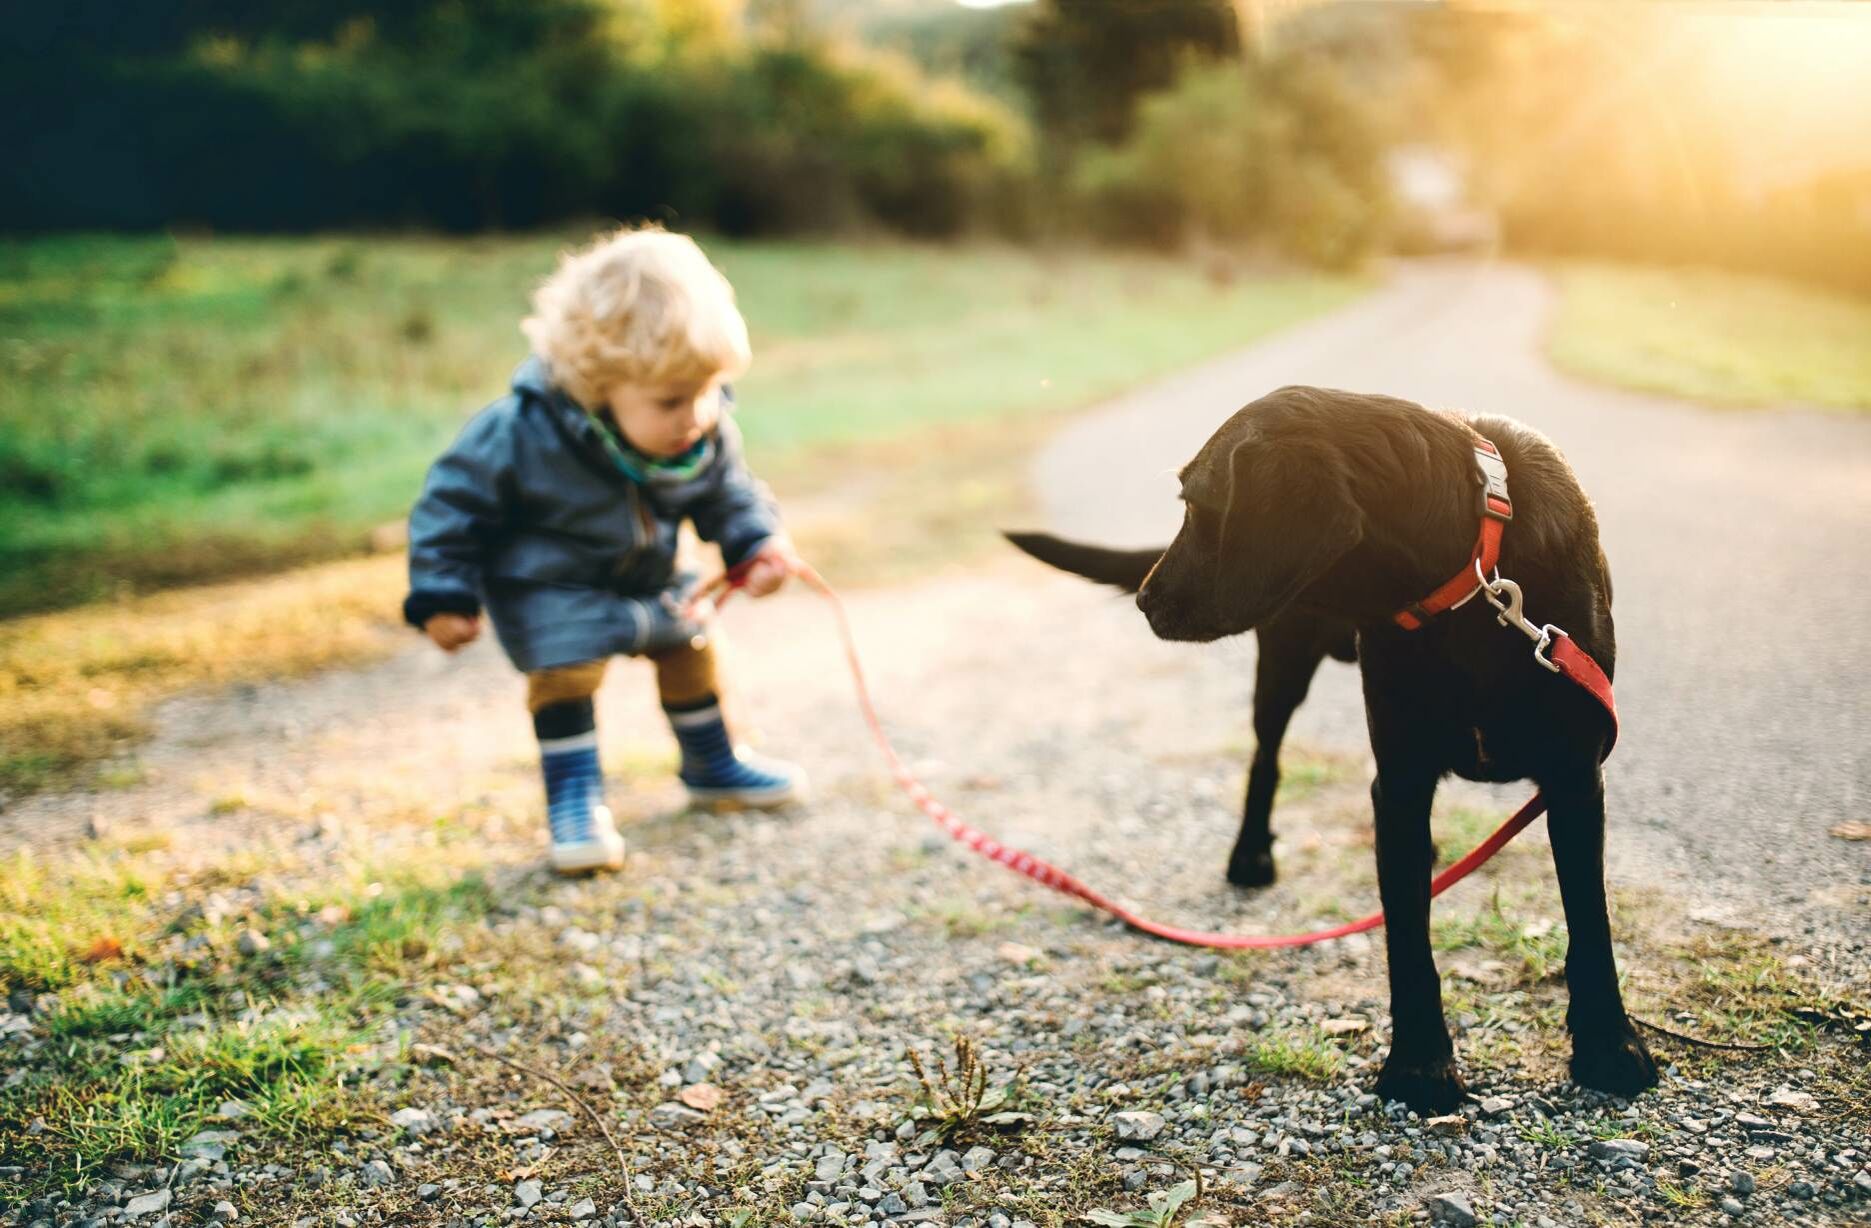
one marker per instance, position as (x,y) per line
(1460,829)
(101,1103)
(961,918)
(178,410)
(59,926)
(1722,338)
(152,1015)
(1297,1055)
(1545,1134)
(1534,953)
(1732,987)
(1302,776)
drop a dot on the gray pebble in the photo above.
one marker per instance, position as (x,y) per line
(148,1204)
(1452,1208)
(942,1170)
(1620,1149)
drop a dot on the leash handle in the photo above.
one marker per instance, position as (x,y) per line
(723,586)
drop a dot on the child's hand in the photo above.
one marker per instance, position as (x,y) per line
(451,631)
(771,568)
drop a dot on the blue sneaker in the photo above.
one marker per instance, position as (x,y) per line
(584,837)
(718,775)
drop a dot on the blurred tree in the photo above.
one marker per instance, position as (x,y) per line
(288,114)
(1282,152)
(1084,63)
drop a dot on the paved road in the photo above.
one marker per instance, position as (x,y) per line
(1740,545)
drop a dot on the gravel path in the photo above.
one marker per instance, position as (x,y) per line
(1737,543)
(790,963)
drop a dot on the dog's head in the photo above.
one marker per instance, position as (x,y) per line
(1268,508)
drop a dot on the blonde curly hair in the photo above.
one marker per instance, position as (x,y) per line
(636,306)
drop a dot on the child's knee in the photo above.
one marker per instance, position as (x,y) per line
(687,674)
(563,684)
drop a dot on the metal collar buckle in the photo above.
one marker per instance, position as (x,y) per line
(1491,470)
(1505,597)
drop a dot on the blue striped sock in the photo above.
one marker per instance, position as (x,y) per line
(708,758)
(574,785)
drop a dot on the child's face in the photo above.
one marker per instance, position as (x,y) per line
(666,419)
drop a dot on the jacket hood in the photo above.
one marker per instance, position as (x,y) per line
(534,378)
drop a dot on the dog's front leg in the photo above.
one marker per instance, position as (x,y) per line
(1420,1070)
(1607,1053)
(1289,655)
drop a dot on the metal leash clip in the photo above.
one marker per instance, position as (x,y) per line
(1512,613)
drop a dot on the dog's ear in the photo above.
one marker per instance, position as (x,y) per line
(1291,515)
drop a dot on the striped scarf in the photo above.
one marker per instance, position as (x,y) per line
(655,470)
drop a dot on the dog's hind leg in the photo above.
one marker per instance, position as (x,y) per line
(1290,650)
(1420,1069)
(1607,1053)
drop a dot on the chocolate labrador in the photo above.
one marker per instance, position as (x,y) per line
(1292,644)
(1317,504)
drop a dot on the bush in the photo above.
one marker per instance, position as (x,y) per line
(812,140)
(1280,153)
(486,114)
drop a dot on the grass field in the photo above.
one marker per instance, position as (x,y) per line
(174,411)
(1722,338)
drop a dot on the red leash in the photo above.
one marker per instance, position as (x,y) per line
(1566,658)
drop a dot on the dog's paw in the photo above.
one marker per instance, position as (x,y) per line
(1432,1087)
(1616,1061)
(1253,869)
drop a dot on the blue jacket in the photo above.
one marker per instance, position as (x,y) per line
(527,516)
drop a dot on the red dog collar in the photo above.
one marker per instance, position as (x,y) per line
(1496,509)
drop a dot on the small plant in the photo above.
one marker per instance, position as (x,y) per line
(1298,1056)
(1164,1209)
(958,1099)
(1545,1134)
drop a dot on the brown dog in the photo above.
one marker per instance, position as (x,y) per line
(1316,504)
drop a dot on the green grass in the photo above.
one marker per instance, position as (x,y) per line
(174,410)
(1308,1056)
(1531,958)
(158,1017)
(1721,338)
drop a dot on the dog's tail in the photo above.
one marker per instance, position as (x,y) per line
(1123,569)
